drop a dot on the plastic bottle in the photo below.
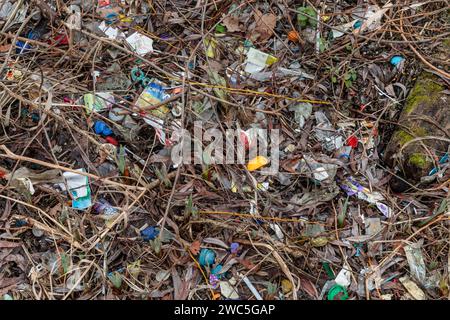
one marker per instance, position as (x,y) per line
(104,207)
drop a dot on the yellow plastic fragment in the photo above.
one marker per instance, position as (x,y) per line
(286,286)
(257,162)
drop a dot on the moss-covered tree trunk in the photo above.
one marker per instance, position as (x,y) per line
(426,114)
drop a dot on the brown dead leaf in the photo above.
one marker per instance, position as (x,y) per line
(309,288)
(6,282)
(195,247)
(5,47)
(232,23)
(213,65)
(8,244)
(248,264)
(290,165)
(264,25)
(180,287)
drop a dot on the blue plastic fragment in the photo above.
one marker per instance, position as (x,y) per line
(36,33)
(395,60)
(234,247)
(35,117)
(216,270)
(358,247)
(444,159)
(20,223)
(441,161)
(137,74)
(149,233)
(357,24)
(102,128)
(207,257)
(22,47)
(111,18)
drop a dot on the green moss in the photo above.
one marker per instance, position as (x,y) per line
(419,160)
(424,91)
(419,132)
(446,43)
(403,137)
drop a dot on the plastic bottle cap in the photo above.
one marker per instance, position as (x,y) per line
(149,233)
(102,128)
(395,60)
(335,290)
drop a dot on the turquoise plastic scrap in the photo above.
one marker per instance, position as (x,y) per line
(217,269)
(357,24)
(443,160)
(207,257)
(395,60)
(137,74)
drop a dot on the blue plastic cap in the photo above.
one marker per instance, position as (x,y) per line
(395,60)
(102,128)
(149,233)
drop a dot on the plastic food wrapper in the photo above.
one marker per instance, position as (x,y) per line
(98,102)
(352,187)
(281,73)
(153,94)
(343,278)
(227,289)
(413,288)
(302,111)
(365,19)
(108,9)
(324,133)
(320,171)
(110,32)
(416,262)
(140,43)
(373,227)
(79,189)
(258,60)
(102,206)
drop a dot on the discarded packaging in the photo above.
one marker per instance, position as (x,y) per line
(258,60)
(206,257)
(78,187)
(352,187)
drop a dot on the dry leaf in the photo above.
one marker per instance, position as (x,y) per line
(8,244)
(247,264)
(217,242)
(232,23)
(195,247)
(309,288)
(5,47)
(264,25)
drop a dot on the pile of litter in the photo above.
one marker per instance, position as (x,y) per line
(115,175)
